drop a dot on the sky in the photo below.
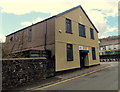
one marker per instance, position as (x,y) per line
(17,14)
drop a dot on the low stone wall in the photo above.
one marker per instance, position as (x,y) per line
(20,72)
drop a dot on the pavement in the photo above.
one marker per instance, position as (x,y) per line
(104,78)
(74,73)
(66,76)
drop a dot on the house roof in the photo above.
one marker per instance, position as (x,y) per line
(111,40)
(60,14)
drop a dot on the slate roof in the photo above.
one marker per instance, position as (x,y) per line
(60,14)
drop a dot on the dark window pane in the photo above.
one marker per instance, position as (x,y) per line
(82,30)
(68,26)
(91,33)
(93,53)
(69,52)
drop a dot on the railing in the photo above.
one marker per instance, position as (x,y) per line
(110,58)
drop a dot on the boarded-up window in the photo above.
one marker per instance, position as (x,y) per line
(29,35)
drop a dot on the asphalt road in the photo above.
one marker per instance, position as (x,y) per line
(106,79)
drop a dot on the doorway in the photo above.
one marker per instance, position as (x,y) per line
(83,54)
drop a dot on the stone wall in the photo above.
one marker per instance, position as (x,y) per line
(20,72)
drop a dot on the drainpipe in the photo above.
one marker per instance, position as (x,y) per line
(45,36)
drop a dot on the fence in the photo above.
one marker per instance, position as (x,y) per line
(110,58)
(20,72)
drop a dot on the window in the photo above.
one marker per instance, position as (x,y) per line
(29,35)
(82,30)
(68,26)
(104,48)
(93,53)
(69,52)
(91,33)
(109,48)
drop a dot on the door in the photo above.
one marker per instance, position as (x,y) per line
(83,54)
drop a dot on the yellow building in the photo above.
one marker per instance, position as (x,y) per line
(70,36)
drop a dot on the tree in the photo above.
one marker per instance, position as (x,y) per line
(8,48)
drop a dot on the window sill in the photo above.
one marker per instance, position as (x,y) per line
(69,33)
(69,60)
(83,36)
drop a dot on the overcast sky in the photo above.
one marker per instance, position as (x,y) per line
(17,14)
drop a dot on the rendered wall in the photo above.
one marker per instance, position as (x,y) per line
(62,38)
(20,39)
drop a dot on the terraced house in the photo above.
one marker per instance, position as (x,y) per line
(70,38)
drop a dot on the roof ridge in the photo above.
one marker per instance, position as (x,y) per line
(79,6)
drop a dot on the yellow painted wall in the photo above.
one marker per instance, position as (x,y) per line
(62,38)
(61,59)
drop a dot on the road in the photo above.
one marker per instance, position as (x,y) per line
(106,79)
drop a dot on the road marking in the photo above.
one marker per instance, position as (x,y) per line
(71,78)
